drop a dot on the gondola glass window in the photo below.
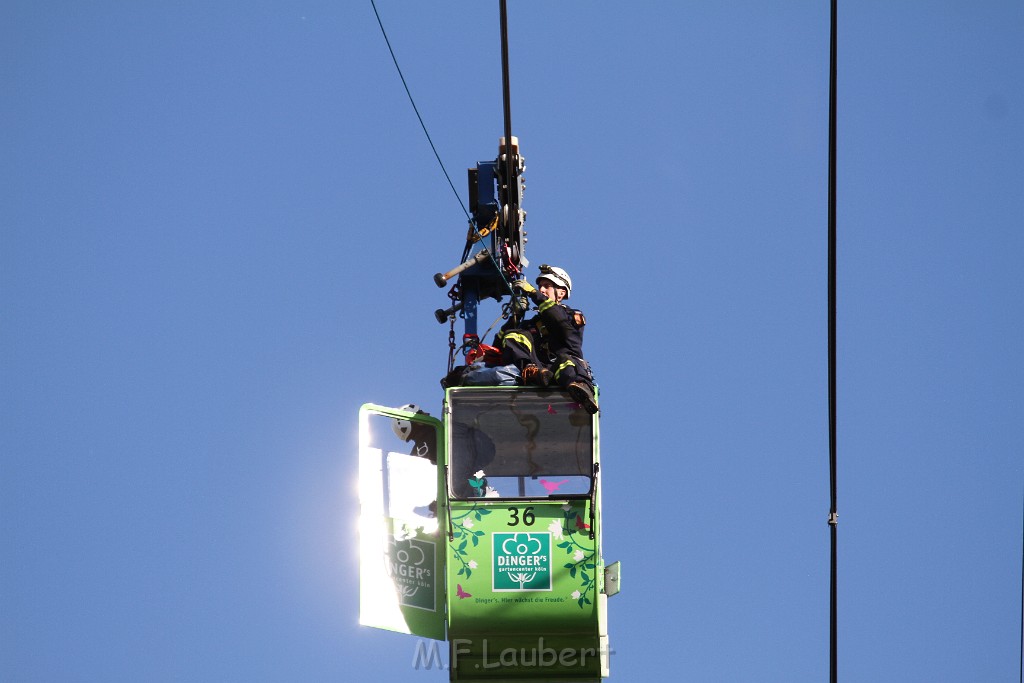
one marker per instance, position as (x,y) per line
(518,443)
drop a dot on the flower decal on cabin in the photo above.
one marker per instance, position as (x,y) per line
(464,537)
(582,564)
(478,482)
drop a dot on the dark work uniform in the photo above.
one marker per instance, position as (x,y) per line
(552,339)
(423,438)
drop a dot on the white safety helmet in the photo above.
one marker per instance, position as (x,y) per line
(557,276)
(403,426)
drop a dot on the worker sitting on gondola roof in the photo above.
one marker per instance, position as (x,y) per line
(546,349)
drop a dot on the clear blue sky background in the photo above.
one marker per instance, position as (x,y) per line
(219,224)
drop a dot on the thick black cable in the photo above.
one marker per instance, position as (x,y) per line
(833,513)
(513,205)
(416,109)
(512,195)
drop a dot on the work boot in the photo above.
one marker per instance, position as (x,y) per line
(455,377)
(584,395)
(535,376)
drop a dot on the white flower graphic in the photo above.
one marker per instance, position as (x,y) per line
(567,507)
(555,528)
(472,564)
(479,474)
(491,492)
(575,595)
(468,523)
(577,556)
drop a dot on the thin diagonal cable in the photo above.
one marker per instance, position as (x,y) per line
(416,109)
(472,223)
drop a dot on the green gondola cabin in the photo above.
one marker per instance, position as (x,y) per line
(485,531)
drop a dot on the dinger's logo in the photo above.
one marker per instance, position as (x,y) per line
(521,561)
(411,567)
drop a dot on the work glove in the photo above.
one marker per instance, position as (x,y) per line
(526,290)
(524,286)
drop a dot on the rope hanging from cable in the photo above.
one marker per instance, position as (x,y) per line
(474,229)
(416,109)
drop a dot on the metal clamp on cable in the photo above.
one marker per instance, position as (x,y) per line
(833,518)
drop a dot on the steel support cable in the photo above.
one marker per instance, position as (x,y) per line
(506,95)
(416,109)
(513,200)
(833,513)
(513,208)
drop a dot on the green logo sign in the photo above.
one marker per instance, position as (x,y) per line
(522,561)
(411,565)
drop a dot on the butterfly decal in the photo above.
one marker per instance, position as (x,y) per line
(552,486)
(461,593)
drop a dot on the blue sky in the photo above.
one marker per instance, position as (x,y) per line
(219,224)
